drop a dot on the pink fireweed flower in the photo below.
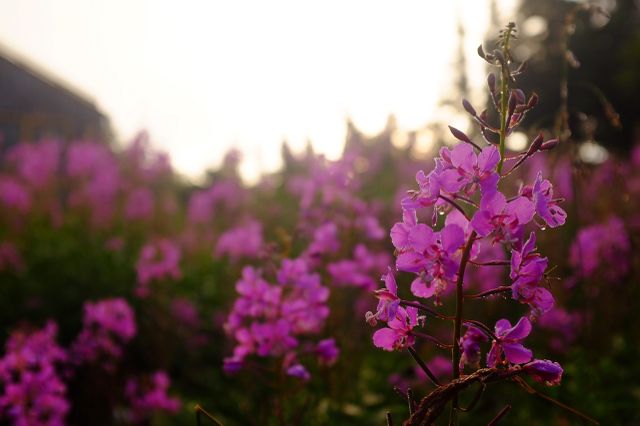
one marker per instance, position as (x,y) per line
(564,325)
(508,343)
(544,371)
(502,219)
(149,395)
(548,208)
(200,209)
(460,169)
(157,260)
(596,247)
(398,335)
(325,240)
(242,241)
(400,231)
(269,320)
(527,270)
(107,326)
(427,194)
(36,163)
(359,271)
(139,204)
(432,257)
(185,312)
(299,371)
(470,347)
(327,351)
(14,194)
(388,301)
(33,392)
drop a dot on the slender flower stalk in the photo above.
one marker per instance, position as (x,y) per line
(455,352)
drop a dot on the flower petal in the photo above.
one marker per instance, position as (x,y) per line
(516,353)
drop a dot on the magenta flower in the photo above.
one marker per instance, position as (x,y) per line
(598,246)
(544,371)
(299,371)
(508,343)
(359,271)
(501,218)
(388,301)
(327,351)
(243,241)
(426,196)
(149,395)
(107,326)
(400,231)
(270,320)
(139,204)
(33,391)
(36,163)
(431,256)
(14,194)
(325,240)
(548,208)
(470,346)
(158,260)
(463,169)
(527,270)
(398,335)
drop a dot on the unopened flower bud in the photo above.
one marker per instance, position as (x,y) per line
(370,318)
(535,144)
(512,104)
(468,107)
(459,135)
(491,82)
(519,94)
(550,144)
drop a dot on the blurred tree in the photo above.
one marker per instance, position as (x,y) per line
(593,47)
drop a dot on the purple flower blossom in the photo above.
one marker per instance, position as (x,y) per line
(398,335)
(546,206)
(14,194)
(596,247)
(33,392)
(36,163)
(242,241)
(325,240)
(544,371)
(431,256)
(185,312)
(461,169)
(508,343)
(501,218)
(327,351)
(270,319)
(158,260)
(359,271)
(564,325)
(527,270)
(470,347)
(388,301)
(148,395)
(139,204)
(107,326)
(299,371)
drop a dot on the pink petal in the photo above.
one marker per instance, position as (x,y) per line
(385,338)
(516,353)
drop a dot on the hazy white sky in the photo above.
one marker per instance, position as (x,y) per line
(203,76)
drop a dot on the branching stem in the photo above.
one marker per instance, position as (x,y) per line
(455,352)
